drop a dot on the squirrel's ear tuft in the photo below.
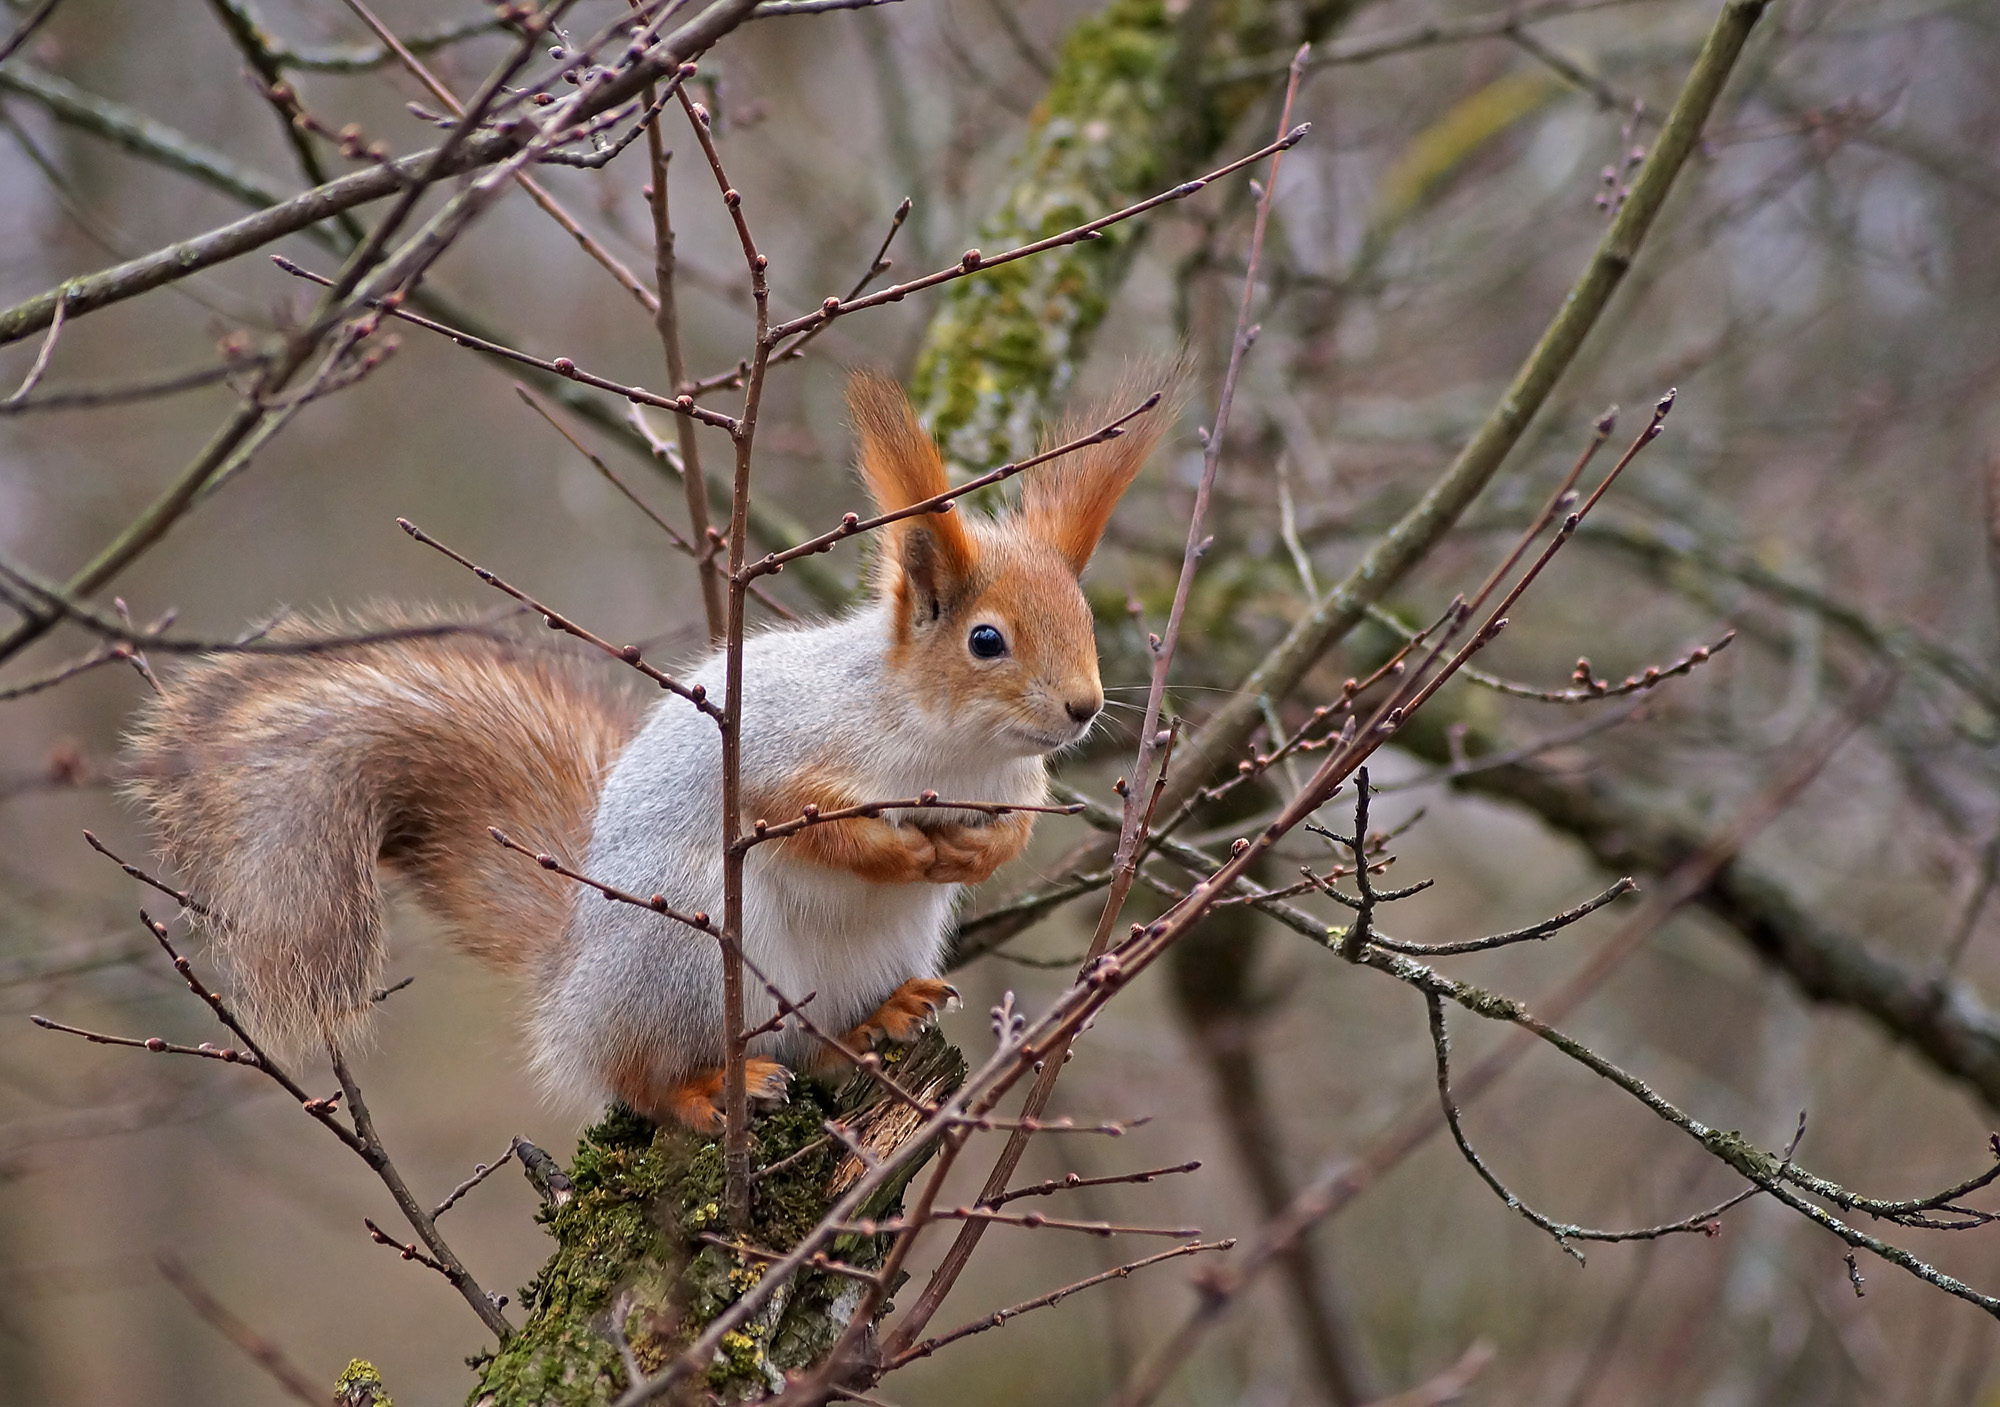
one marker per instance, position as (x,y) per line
(931,553)
(1068,503)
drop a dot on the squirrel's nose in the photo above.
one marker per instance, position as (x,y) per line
(1083,710)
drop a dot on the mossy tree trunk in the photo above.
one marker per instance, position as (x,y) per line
(1126,115)
(638,1232)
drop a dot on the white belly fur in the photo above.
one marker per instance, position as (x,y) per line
(628,985)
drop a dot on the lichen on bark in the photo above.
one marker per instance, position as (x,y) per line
(632,1258)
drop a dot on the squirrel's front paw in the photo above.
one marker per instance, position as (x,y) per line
(962,854)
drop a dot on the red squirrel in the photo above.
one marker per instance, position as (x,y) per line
(278,783)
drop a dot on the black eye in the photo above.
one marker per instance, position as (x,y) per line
(986,642)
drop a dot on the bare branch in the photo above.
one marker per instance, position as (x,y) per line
(974,260)
(762,830)
(1001,1316)
(627,654)
(555,366)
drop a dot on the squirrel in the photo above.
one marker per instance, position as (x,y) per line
(277,783)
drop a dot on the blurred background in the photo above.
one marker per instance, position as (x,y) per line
(1822,290)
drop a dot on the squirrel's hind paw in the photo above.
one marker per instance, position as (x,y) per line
(696,1102)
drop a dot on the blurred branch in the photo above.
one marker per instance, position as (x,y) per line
(1339,1184)
(1941,1018)
(374,271)
(71,959)
(1000,1316)
(1449,1386)
(144,388)
(24,29)
(257,1348)
(173,150)
(1672,547)
(1215,745)
(539,194)
(360,58)
(1365,48)
(475,151)
(135,133)
(268,69)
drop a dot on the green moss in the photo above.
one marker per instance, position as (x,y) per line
(1489,1004)
(1004,346)
(360,1386)
(630,1243)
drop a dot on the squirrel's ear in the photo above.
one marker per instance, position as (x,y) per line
(929,555)
(1068,503)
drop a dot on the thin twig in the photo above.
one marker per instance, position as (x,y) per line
(535,190)
(1533,931)
(554,366)
(853,524)
(696,920)
(227,1054)
(667,323)
(974,260)
(555,620)
(1564,1233)
(1001,1316)
(1032,1220)
(480,1173)
(1074,1180)
(41,362)
(1138,809)
(442,1258)
(736,1159)
(762,830)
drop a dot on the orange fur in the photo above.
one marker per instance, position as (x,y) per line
(902,1018)
(1068,503)
(872,848)
(898,1021)
(901,465)
(696,1100)
(277,782)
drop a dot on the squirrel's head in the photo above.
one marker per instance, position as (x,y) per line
(991,624)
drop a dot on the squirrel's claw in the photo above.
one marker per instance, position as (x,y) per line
(910,1008)
(768,1082)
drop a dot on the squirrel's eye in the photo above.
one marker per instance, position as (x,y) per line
(986,642)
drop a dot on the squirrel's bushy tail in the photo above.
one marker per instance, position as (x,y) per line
(277,781)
